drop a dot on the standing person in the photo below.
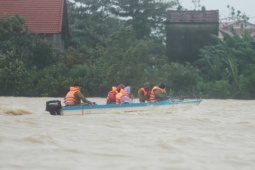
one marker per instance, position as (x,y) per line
(124,96)
(74,96)
(144,93)
(111,96)
(158,93)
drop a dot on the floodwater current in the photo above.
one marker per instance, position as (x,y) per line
(214,135)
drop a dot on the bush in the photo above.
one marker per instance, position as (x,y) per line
(15,79)
(248,86)
(220,89)
(182,81)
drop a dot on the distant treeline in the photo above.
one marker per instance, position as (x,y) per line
(105,50)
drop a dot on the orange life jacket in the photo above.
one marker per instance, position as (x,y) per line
(70,98)
(145,93)
(111,97)
(119,96)
(152,94)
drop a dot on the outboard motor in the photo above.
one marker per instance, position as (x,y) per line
(54,107)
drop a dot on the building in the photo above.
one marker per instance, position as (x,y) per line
(48,18)
(238,26)
(189,31)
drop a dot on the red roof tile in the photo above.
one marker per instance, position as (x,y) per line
(41,16)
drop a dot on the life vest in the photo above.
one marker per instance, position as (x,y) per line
(145,93)
(119,96)
(70,96)
(111,97)
(152,94)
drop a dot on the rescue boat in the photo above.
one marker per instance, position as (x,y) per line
(54,107)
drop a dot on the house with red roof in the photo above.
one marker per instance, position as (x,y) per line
(47,18)
(239,26)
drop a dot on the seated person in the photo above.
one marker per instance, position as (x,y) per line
(144,92)
(111,96)
(120,87)
(158,93)
(124,96)
(74,96)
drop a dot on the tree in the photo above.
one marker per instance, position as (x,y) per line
(127,60)
(146,17)
(228,64)
(14,77)
(23,56)
(90,23)
(236,15)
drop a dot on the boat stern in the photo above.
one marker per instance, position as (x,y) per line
(54,107)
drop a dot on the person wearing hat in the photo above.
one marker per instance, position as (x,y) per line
(144,92)
(74,96)
(158,93)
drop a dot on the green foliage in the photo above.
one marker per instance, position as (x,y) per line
(181,80)
(74,57)
(220,89)
(228,62)
(34,51)
(106,50)
(127,60)
(144,17)
(10,26)
(14,77)
(120,60)
(52,81)
(41,53)
(247,87)
(90,22)
(22,56)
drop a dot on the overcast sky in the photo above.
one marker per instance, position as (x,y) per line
(245,6)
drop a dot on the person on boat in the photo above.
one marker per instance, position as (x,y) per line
(124,96)
(111,96)
(74,96)
(120,87)
(144,93)
(158,93)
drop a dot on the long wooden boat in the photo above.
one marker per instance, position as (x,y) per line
(55,108)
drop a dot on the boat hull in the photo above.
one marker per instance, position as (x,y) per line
(162,106)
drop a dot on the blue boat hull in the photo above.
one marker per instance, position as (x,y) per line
(132,107)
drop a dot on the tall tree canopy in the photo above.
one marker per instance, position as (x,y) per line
(90,22)
(146,17)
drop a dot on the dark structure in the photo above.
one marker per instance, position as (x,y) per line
(188,31)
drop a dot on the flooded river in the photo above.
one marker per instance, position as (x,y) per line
(216,134)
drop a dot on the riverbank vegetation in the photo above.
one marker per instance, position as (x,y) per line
(104,50)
